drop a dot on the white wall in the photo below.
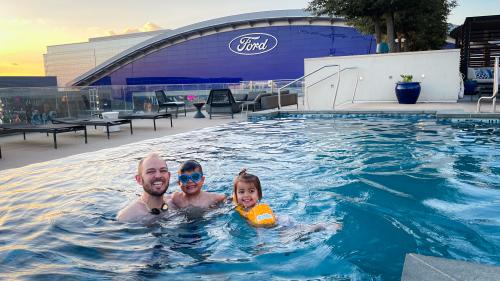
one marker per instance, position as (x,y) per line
(377,74)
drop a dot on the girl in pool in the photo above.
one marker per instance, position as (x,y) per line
(247,193)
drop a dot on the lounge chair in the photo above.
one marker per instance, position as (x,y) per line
(94,122)
(483,77)
(54,129)
(253,101)
(153,116)
(165,101)
(222,102)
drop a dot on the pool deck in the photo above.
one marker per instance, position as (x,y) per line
(451,110)
(39,148)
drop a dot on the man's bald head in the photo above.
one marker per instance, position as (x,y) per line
(150,156)
(153,175)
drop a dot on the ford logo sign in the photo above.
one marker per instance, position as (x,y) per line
(253,44)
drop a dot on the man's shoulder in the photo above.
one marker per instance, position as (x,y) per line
(131,212)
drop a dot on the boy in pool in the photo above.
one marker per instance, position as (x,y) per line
(191,181)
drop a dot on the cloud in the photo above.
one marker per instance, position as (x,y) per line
(149,26)
(131,30)
(14,64)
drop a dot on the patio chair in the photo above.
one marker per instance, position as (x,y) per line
(165,101)
(222,102)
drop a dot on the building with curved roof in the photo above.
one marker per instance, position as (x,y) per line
(67,61)
(255,46)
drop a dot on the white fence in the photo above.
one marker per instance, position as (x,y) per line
(375,77)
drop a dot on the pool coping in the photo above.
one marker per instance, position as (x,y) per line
(427,268)
(448,115)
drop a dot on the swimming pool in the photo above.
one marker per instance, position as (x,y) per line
(398,185)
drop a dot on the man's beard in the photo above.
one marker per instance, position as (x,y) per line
(149,190)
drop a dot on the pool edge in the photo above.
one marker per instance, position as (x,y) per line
(444,115)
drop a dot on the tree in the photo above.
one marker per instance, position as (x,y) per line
(364,15)
(423,22)
(425,27)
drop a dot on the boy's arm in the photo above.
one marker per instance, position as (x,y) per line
(176,200)
(217,199)
(170,202)
(220,197)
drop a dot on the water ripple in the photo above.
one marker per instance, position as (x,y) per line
(396,185)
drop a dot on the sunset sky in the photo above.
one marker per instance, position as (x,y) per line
(27,27)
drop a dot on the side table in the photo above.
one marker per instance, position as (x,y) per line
(198,106)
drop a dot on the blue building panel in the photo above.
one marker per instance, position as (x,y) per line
(264,53)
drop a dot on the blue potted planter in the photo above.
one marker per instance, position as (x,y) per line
(407,92)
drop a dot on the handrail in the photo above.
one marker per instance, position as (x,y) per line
(347,68)
(302,77)
(495,90)
(338,83)
(338,86)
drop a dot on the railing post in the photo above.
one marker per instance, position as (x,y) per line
(495,89)
(495,85)
(337,88)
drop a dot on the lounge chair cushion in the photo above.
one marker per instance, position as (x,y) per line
(253,95)
(480,74)
(240,97)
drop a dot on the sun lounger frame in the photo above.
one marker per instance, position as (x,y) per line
(153,116)
(95,123)
(54,129)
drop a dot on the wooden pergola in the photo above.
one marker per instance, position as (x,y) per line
(479,42)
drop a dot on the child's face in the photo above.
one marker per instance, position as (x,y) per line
(246,194)
(191,187)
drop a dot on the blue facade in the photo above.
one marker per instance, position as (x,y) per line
(212,59)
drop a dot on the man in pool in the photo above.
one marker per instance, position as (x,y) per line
(154,177)
(191,181)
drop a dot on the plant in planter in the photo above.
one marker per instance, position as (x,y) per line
(407,91)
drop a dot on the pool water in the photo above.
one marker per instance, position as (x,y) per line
(397,186)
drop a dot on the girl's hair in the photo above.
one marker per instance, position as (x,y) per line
(243,176)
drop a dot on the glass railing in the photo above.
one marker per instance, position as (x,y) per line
(39,105)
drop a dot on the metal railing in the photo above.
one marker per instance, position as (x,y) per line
(36,105)
(495,90)
(338,84)
(302,77)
